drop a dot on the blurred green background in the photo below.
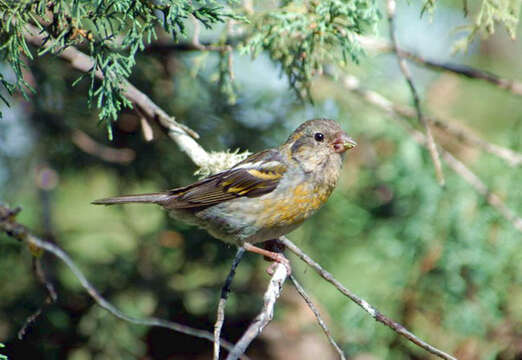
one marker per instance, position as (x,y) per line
(440,261)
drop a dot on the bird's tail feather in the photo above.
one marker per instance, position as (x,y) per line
(141,198)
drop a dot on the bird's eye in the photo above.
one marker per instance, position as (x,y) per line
(319,137)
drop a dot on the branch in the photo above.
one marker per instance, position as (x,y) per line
(322,324)
(265,316)
(382,46)
(225,290)
(353,84)
(407,75)
(471,178)
(181,134)
(513,158)
(512,86)
(106,153)
(21,233)
(374,313)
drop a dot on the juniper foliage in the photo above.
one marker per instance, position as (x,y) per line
(301,36)
(112,32)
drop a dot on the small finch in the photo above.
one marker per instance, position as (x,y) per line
(265,196)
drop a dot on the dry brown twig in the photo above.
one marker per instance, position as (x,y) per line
(391,5)
(51,297)
(182,135)
(471,178)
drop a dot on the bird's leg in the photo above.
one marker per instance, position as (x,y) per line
(275,256)
(274,245)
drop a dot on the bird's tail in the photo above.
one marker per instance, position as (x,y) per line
(153,198)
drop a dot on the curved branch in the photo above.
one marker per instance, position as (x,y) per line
(374,313)
(88,145)
(21,233)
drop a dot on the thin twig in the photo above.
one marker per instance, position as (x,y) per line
(51,297)
(374,313)
(416,101)
(104,152)
(369,43)
(471,178)
(353,84)
(513,158)
(265,316)
(225,290)
(183,136)
(322,324)
(512,86)
(20,232)
(378,45)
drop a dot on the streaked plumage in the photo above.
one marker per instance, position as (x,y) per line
(265,196)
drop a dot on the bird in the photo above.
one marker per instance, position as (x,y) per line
(265,196)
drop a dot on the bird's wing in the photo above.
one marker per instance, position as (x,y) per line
(257,175)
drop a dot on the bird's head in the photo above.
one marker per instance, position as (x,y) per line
(316,142)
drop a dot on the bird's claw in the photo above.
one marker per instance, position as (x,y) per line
(279,259)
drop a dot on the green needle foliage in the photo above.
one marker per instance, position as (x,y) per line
(304,36)
(492,12)
(113,31)
(487,14)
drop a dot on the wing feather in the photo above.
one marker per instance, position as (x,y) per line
(257,175)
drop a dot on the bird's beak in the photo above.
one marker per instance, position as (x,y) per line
(343,142)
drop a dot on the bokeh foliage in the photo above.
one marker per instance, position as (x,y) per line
(439,260)
(305,36)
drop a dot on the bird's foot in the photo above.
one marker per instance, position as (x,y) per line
(280,260)
(272,255)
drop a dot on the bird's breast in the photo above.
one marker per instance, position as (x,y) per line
(293,206)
